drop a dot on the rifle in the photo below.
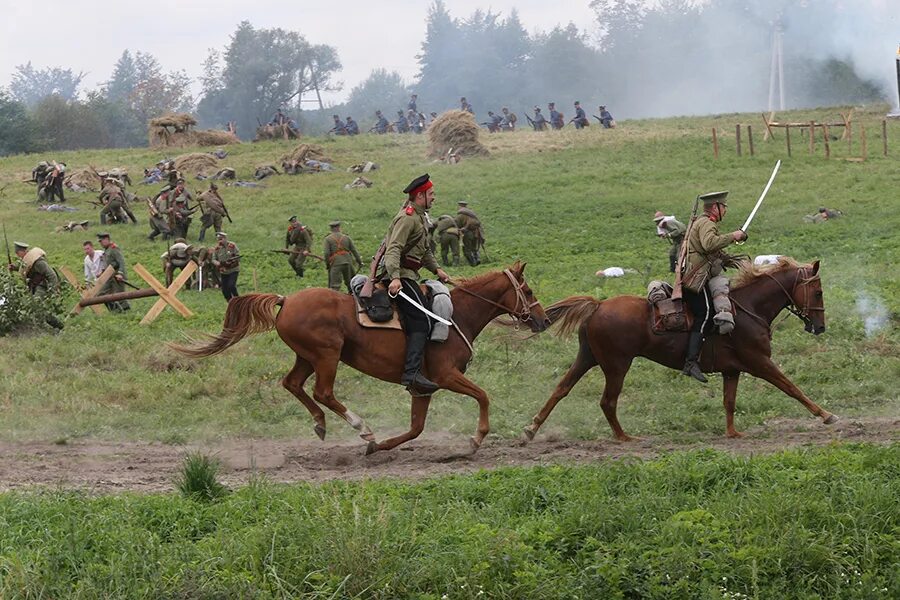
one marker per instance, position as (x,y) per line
(530,120)
(294,252)
(682,256)
(369,287)
(484,249)
(6,241)
(598,118)
(227,216)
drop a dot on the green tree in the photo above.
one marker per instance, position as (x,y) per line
(18,132)
(381,90)
(30,85)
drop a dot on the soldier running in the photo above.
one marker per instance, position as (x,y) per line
(213,210)
(39,276)
(113,257)
(670,228)
(448,236)
(300,237)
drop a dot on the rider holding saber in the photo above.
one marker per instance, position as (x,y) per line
(407,250)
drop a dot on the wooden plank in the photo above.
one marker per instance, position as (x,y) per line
(812,137)
(768,135)
(73,281)
(864,150)
(166,295)
(884,135)
(107,273)
(715,143)
(825,138)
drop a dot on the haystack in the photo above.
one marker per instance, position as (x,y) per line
(197,163)
(175,131)
(456,130)
(85,178)
(305,152)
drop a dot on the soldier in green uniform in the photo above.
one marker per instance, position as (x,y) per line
(472,233)
(181,216)
(340,256)
(39,276)
(213,210)
(406,251)
(159,210)
(300,237)
(114,202)
(113,257)
(227,259)
(670,228)
(703,261)
(448,235)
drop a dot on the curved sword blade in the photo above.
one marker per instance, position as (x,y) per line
(761,198)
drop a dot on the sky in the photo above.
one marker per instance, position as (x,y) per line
(90,35)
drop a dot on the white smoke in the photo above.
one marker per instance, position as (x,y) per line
(872,312)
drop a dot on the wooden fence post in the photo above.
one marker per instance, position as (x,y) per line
(825,138)
(862,142)
(737,132)
(849,131)
(884,135)
(715,143)
(812,137)
(787,132)
(750,138)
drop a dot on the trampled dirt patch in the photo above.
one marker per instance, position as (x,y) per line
(108,467)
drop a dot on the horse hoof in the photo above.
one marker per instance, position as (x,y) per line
(368,436)
(735,434)
(474,444)
(320,431)
(371,447)
(831,419)
(527,434)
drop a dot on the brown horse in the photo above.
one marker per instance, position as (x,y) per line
(320,326)
(613,332)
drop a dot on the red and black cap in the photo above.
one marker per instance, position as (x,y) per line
(419,184)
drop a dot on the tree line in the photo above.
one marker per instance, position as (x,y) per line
(673,57)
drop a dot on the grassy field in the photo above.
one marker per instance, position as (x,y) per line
(797,525)
(567,202)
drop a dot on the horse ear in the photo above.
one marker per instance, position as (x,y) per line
(519,268)
(815,267)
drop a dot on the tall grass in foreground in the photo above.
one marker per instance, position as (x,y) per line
(804,524)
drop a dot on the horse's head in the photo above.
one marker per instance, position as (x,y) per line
(527,308)
(806,296)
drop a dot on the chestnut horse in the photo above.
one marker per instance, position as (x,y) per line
(320,326)
(613,332)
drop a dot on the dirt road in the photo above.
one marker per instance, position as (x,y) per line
(108,467)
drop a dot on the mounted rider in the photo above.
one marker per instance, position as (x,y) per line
(406,250)
(702,281)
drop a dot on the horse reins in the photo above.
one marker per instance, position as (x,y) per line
(522,311)
(801,312)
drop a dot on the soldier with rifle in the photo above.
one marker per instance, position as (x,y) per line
(404,251)
(448,235)
(538,123)
(556,118)
(382,125)
(494,124)
(339,127)
(508,122)
(401,124)
(339,249)
(40,278)
(670,228)
(180,217)
(300,237)
(212,209)
(352,127)
(226,259)
(580,119)
(159,209)
(112,198)
(605,118)
(113,257)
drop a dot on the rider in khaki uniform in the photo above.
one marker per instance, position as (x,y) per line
(406,251)
(339,249)
(703,261)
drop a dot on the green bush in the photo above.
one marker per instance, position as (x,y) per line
(199,478)
(20,311)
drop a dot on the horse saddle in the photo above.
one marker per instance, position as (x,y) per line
(668,315)
(380,311)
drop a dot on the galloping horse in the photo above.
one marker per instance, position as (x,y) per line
(320,326)
(613,332)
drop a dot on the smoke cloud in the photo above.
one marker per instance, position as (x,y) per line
(873,313)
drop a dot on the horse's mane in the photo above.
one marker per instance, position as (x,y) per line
(479,279)
(748,272)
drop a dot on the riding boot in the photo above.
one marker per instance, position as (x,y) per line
(412,378)
(692,364)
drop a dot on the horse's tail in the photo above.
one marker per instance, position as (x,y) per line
(569,314)
(246,315)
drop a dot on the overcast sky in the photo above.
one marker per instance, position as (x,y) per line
(90,35)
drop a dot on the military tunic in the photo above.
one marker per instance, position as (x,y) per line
(213,209)
(448,235)
(228,258)
(300,237)
(113,257)
(40,278)
(407,249)
(704,245)
(340,254)
(675,231)
(470,227)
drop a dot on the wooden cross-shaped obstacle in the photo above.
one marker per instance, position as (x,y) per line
(92,298)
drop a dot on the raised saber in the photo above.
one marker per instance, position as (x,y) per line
(403,295)
(761,198)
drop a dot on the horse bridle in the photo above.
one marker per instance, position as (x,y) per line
(522,311)
(800,280)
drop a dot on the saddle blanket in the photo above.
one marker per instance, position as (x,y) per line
(440,305)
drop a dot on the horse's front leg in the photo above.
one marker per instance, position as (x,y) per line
(729,385)
(770,372)
(418,412)
(457,382)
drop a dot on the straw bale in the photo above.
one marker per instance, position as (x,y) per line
(197,163)
(305,152)
(456,130)
(180,121)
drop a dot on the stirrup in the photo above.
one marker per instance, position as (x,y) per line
(418,383)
